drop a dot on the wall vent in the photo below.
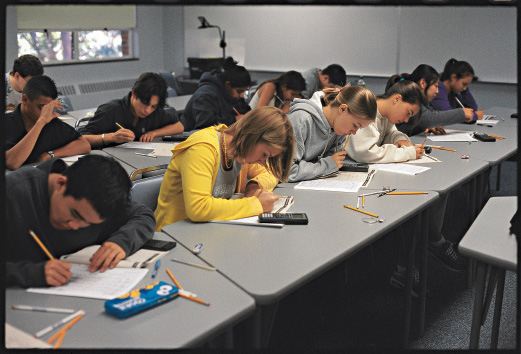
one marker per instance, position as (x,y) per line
(68,90)
(106,86)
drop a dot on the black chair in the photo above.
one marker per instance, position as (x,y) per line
(81,122)
(146,190)
(173,85)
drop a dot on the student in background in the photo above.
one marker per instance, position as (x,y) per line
(69,208)
(432,121)
(333,76)
(321,125)
(24,67)
(381,142)
(454,86)
(138,116)
(33,132)
(213,163)
(280,91)
(219,98)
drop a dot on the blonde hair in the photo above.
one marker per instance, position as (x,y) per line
(360,101)
(267,125)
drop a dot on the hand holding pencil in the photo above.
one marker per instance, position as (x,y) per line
(56,272)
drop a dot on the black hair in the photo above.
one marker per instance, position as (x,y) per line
(336,73)
(237,75)
(148,85)
(102,181)
(422,71)
(27,65)
(292,79)
(460,68)
(41,85)
(409,90)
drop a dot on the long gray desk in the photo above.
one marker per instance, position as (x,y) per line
(138,162)
(504,113)
(179,323)
(70,120)
(270,263)
(488,241)
(178,102)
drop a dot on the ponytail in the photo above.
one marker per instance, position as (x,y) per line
(237,75)
(460,68)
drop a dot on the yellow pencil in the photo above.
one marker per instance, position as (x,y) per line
(406,193)
(119,126)
(360,211)
(182,294)
(173,279)
(236,111)
(347,140)
(423,144)
(363,201)
(42,246)
(442,148)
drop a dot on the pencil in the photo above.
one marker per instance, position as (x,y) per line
(461,104)
(406,193)
(64,329)
(173,279)
(236,111)
(42,246)
(363,201)
(119,126)
(347,140)
(360,211)
(497,137)
(442,148)
(193,265)
(182,294)
(147,155)
(423,144)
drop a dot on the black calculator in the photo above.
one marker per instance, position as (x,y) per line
(284,218)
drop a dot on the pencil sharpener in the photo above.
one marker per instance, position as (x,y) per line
(428,149)
(466,157)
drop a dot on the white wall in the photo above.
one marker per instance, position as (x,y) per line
(366,40)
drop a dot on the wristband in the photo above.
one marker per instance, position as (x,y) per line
(103,139)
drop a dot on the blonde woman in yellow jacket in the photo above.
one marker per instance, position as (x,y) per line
(213,163)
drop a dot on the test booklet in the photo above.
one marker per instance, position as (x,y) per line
(282,205)
(403,168)
(140,259)
(107,285)
(452,135)
(339,181)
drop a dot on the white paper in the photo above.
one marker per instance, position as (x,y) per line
(139,145)
(486,122)
(107,285)
(164,149)
(331,185)
(402,168)
(452,136)
(141,258)
(424,159)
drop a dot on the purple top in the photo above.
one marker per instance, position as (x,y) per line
(445,101)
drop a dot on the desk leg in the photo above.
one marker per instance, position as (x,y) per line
(498,178)
(491,285)
(424,239)
(497,308)
(481,277)
(408,289)
(263,323)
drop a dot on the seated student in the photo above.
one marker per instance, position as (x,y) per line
(213,163)
(431,120)
(140,114)
(69,208)
(219,99)
(381,142)
(454,86)
(24,67)
(280,91)
(333,76)
(32,131)
(321,125)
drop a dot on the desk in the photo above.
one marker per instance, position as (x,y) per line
(129,157)
(490,243)
(178,102)
(505,113)
(82,113)
(66,118)
(177,324)
(270,263)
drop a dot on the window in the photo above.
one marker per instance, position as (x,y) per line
(75,45)
(83,32)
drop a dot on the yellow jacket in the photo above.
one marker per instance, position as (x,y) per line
(186,191)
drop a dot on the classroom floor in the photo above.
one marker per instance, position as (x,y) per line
(364,312)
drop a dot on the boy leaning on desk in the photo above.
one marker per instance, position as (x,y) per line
(69,208)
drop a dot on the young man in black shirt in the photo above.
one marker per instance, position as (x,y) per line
(69,208)
(33,132)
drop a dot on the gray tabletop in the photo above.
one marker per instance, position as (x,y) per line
(70,120)
(175,324)
(130,157)
(178,102)
(441,177)
(503,113)
(269,263)
(82,113)
(488,239)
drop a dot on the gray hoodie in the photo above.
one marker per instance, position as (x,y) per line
(315,141)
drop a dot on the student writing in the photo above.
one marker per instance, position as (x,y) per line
(321,125)
(431,120)
(70,208)
(454,86)
(33,131)
(381,142)
(333,76)
(141,115)
(280,91)
(219,99)
(214,163)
